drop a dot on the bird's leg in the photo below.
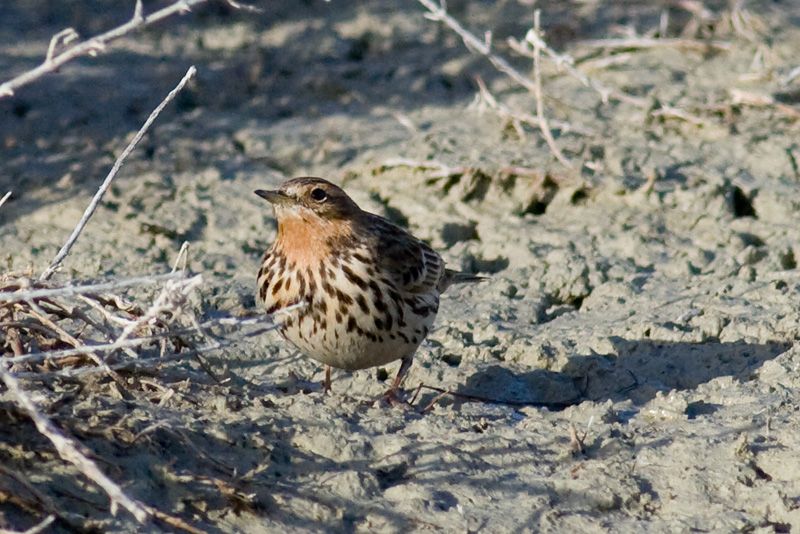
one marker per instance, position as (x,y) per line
(391,395)
(326,384)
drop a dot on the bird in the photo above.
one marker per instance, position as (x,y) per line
(368,291)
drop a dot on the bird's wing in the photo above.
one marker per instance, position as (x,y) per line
(413,266)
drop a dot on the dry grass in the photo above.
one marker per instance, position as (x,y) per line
(57,330)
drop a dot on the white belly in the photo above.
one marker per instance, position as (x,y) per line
(353,341)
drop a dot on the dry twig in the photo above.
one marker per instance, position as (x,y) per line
(92,46)
(112,173)
(68,338)
(35,529)
(564,61)
(17,290)
(69,450)
(633,43)
(762,100)
(168,307)
(172,299)
(671,112)
(478,398)
(791,76)
(577,443)
(441,170)
(39,501)
(567,63)
(537,77)
(522,117)
(260,324)
(38,317)
(439,13)
(604,62)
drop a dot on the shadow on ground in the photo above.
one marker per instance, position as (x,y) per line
(637,370)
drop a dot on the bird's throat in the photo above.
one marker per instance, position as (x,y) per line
(306,239)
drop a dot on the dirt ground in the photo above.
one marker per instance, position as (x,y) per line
(647,295)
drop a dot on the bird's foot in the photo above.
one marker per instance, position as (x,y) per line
(393,397)
(326,382)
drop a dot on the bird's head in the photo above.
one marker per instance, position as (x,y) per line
(310,199)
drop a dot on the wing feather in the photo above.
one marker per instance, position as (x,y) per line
(411,264)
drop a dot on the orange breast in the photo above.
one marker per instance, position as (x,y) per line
(305,240)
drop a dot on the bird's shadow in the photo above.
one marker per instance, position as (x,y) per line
(636,370)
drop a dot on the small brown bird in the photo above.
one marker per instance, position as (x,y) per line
(371,289)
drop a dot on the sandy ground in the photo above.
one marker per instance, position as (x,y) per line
(650,292)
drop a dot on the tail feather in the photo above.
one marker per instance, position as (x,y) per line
(457,277)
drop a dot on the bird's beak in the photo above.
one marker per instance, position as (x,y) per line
(276,198)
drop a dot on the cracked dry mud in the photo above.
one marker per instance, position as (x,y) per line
(653,292)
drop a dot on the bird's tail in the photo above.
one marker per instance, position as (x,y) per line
(456,277)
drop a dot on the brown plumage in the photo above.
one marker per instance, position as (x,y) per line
(371,289)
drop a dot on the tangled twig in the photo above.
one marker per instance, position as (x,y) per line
(439,13)
(18,289)
(69,450)
(533,40)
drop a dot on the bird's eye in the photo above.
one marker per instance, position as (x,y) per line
(319,194)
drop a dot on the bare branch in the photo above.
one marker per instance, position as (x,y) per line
(677,113)
(182,259)
(172,298)
(112,173)
(440,169)
(537,77)
(762,100)
(63,37)
(35,529)
(244,7)
(790,76)
(265,323)
(629,43)
(138,11)
(92,46)
(480,46)
(42,317)
(480,398)
(483,47)
(520,116)
(69,449)
(566,62)
(32,294)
